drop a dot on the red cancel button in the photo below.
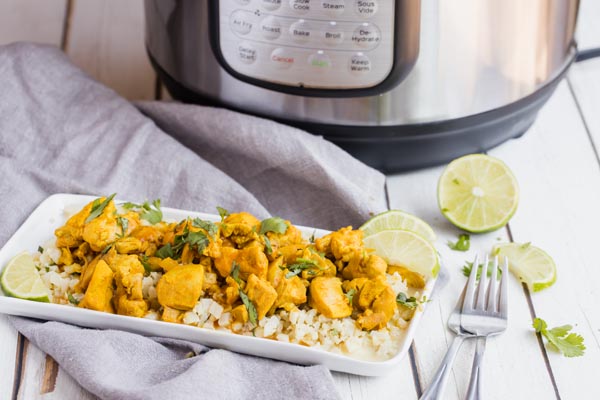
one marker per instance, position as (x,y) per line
(282,58)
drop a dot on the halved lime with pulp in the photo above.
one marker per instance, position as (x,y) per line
(21,279)
(396,219)
(478,193)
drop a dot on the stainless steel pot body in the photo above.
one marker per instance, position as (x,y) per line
(474,56)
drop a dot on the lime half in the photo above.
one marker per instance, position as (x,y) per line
(405,249)
(21,279)
(396,219)
(530,264)
(478,193)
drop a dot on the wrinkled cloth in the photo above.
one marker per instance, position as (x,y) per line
(61,131)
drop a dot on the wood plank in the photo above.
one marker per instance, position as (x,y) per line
(416,193)
(560,193)
(584,79)
(106,39)
(32,20)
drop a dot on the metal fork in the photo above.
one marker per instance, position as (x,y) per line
(435,390)
(484,314)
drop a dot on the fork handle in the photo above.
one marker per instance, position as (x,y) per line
(435,391)
(476,382)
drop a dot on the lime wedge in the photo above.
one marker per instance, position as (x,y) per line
(530,264)
(396,219)
(21,279)
(478,193)
(405,249)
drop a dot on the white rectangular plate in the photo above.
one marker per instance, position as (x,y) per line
(49,215)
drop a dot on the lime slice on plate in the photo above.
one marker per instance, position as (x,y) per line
(405,249)
(530,264)
(21,279)
(396,219)
(478,193)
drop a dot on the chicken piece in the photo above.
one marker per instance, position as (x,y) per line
(171,315)
(413,279)
(262,295)
(102,230)
(224,263)
(168,264)
(129,273)
(275,273)
(252,260)
(361,266)
(290,293)
(240,228)
(133,308)
(291,237)
(99,292)
(71,233)
(378,301)
(232,291)
(322,266)
(129,245)
(87,273)
(181,287)
(327,297)
(148,234)
(355,285)
(66,258)
(81,253)
(342,244)
(291,252)
(240,314)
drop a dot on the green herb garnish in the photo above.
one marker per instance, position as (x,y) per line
(208,226)
(268,247)
(297,267)
(235,272)
(223,213)
(273,224)
(98,207)
(146,264)
(149,212)
(40,249)
(252,315)
(466,270)
(165,251)
(463,243)
(559,338)
(123,223)
(107,248)
(350,295)
(409,302)
(196,240)
(72,299)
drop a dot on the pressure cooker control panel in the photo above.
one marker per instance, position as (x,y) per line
(319,44)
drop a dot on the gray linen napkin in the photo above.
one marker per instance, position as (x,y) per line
(60,131)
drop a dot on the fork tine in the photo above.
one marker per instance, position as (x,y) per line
(493,293)
(470,294)
(481,303)
(504,290)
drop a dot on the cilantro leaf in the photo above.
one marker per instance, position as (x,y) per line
(223,213)
(208,226)
(268,247)
(235,272)
(273,224)
(350,295)
(252,314)
(146,264)
(123,223)
(72,299)
(98,207)
(466,270)
(409,302)
(165,251)
(40,249)
(559,338)
(298,267)
(462,244)
(152,213)
(196,240)
(107,249)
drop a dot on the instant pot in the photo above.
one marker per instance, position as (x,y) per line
(399,84)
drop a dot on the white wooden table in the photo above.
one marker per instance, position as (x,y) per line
(557,164)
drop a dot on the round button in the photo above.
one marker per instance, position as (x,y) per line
(300,31)
(270,28)
(241,22)
(333,7)
(282,58)
(247,53)
(359,64)
(366,8)
(271,5)
(333,35)
(300,6)
(366,35)
(319,61)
